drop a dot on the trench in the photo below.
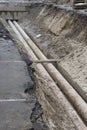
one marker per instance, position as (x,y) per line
(60,34)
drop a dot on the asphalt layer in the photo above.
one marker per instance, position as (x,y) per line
(14,80)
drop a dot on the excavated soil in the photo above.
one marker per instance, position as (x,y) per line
(63,35)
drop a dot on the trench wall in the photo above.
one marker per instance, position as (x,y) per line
(68,31)
(63,35)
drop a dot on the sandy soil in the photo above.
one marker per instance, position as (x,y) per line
(63,36)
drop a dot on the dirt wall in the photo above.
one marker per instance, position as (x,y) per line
(55,114)
(59,34)
(67,32)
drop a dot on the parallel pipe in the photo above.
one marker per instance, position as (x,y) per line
(66,88)
(57,95)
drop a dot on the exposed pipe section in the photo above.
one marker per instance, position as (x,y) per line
(57,94)
(66,88)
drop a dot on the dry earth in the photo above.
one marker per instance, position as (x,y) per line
(59,34)
(62,35)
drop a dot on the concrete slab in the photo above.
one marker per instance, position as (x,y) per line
(14,79)
(14,116)
(8,51)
